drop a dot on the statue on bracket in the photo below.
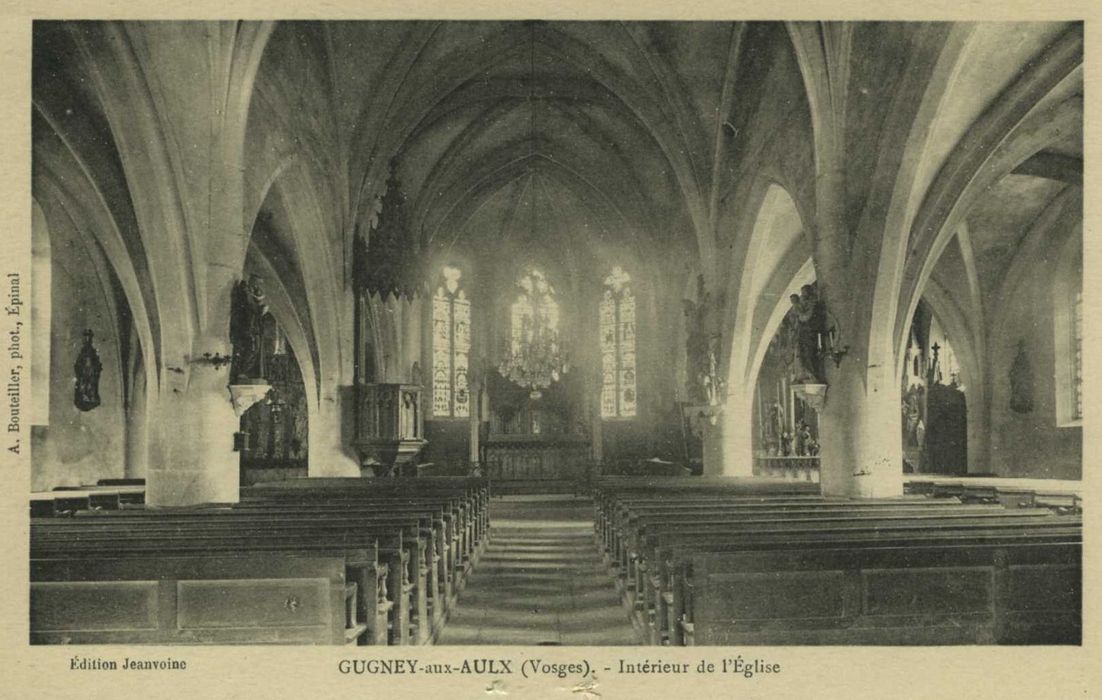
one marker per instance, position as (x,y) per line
(1021,381)
(702,348)
(87,369)
(249,307)
(810,316)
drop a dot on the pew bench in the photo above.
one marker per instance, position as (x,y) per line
(158,599)
(669,552)
(400,546)
(640,554)
(914,595)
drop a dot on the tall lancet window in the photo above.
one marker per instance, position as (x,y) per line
(1068,323)
(451,346)
(617,329)
(1077,351)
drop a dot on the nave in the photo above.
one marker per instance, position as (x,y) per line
(797,305)
(541,580)
(665,561)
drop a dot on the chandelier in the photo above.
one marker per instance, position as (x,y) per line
(535,359)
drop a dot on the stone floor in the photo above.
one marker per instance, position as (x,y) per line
(540,581)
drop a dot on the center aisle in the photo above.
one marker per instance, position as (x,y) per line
(540,581)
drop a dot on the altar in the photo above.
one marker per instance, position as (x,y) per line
(541,439)
(537,457)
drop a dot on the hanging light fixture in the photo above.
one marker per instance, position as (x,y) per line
(536,359)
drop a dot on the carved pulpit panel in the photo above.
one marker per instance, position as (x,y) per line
(389,425)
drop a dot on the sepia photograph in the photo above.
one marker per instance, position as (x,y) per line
(530,333)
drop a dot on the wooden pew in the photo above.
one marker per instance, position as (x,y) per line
(469,522)
(1060,495)
(201,599)
(274,519)
(691,533)
(474,491)
(473,511)
(127,493)
(298,519)
(668,551)
(406,542)
(627,513)
(668,526)
(968,594)
(372,563)
(459,546)
(615,516)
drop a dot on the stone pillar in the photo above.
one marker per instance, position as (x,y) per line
(713,449)
(472,443)
(191,455)
(330,422)
(979,428)
(861,444)
(598,442)
(861,448)
(137,429)
(737,434)
(478,401)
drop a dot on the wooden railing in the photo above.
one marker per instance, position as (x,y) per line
(792,467)
(525,458)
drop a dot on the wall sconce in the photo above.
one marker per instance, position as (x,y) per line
(833,350)
(216,360)
(279,344)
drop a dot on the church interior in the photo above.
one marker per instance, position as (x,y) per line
(572,333)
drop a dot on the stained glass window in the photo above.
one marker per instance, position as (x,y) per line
(451,347)
(616,313)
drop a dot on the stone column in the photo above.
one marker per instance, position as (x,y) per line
(861,451)
(598,443)
(137,428)
(737,433)
(713,450)
(330,422)
(191,455)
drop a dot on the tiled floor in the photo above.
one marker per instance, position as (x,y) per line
(540,581)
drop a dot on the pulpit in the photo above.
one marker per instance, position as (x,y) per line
(389,426)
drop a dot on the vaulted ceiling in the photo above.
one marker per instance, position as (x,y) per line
(585,142)
(617,120)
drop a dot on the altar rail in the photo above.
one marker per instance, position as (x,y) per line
(537,461)
(792,468)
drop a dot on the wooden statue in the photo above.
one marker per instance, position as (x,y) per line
(87,369)
(1021,381)
(810,315)
(249,307)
